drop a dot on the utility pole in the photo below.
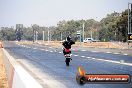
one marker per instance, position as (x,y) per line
(83,31)
(36,36)
(33,35)
(129,23)
(91,34)
(48,36)
(43,36)
(61,36)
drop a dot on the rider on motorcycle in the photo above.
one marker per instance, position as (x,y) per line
(67,45)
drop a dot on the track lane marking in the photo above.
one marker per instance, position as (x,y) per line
(125,54)
(95,51)
(116,53)
(108,52)
(83,56)
(60,52)
(117,62)
(75,55)
(83,50)
(88,57)
(92,58)
(46,50)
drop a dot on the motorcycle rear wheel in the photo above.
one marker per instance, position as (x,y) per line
(67,61)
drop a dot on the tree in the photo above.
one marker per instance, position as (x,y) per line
(122,26)
(108,27)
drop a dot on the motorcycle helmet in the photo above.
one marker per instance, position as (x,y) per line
(68,38)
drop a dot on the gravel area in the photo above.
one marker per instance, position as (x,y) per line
(3,78)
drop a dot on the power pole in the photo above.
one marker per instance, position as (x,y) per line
(83,31)
(33,33)
(129,23)
(61,36)
(36,36)
(48,36)
(43,36)
(91,34)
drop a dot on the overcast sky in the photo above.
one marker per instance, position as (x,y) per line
(49,12)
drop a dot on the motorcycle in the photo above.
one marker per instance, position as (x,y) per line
(67,56)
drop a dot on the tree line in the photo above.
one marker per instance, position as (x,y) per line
(111,28)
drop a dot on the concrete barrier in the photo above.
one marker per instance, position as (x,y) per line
(17,76)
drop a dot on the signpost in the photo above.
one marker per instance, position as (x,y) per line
(79,35)
(129,37)
(129,23)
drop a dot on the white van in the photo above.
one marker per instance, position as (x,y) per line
(88,40)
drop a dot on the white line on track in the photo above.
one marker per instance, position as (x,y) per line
(95,51)
(60,52)
(88,57)
(93,58)
(108,52)
(116,53)
(83,50)
(125,54)
(51,51)
(75,55)
(83,56)
(117,62)
(73,49)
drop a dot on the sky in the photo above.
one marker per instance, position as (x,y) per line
(50,12)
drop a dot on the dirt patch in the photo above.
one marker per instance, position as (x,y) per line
(25,42)
(3,78)
(91,45)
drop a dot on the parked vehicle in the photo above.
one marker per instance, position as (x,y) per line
(90,40)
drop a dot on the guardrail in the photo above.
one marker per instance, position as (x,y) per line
(17,76)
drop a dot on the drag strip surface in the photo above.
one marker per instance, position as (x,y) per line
(48,65)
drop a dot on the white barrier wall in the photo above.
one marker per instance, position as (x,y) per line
(17,76)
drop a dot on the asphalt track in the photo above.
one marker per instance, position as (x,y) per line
(47,65)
